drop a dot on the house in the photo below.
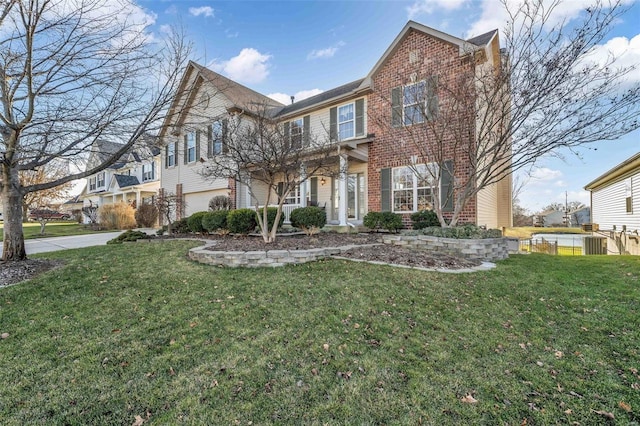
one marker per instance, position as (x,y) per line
(375,175)
(73,207)
(133,179)
(549,218)
(581,216)
(615,206)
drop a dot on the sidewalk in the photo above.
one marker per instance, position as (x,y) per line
(43,245)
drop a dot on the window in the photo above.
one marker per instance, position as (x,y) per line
(413,103)
(148,172)
(171,155)
(296,129)
(216,138)
(100,180)
(92,183)
(191,147)
(346,122)
(293,197)
(413,188)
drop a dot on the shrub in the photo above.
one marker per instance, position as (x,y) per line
(146,215)
(241,221)
(215,220)
(219,202)
(309,219)
(271,217)
(424,219)
(180,226)
(117,216)
(129,235)
(194,222)
(461,232)
(372,220)
(390,221)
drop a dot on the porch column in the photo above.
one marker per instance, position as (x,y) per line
(247,193)
(137,198)
(342,190)
(303,186)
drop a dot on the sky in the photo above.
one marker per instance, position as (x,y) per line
(302,48)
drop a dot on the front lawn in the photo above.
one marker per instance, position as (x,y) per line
(137,333)
(54,229)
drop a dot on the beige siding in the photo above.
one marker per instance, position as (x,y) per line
(504,207)
(199,201)
(608,205)
(486,207)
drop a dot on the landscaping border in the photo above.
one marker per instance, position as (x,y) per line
(485,250)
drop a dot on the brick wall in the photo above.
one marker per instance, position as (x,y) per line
(393,147)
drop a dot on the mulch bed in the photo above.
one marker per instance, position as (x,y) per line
(14,272)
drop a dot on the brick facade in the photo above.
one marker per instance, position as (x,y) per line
(393,147)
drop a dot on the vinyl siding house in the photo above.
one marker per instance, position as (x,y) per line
(133,179)
(376,174)
(615,206)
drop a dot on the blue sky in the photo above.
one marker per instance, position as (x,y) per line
(303,47)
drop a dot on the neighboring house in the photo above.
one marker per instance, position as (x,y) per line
(73,207)
(581,216)
(133,179)
(549,218)
(615,206)
(378,176)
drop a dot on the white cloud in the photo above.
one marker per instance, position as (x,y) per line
(250,66)
(427,7)
(231,34)
(171,10)
(283,98)
(544,175)
(204,10)
(328,52)
(624,52)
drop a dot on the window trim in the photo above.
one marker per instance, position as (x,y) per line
(296,137)
(92,183)
(352,120)
(191,147)
(171,155)
(101,180)
(148,168)
(217,139)
(415,189)
(423,100)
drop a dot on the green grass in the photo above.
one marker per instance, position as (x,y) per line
(138,330)
(54,229)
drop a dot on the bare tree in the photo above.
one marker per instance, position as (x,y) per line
(271,159)
(495,115)
(47,172)
(72,73)
(168,205)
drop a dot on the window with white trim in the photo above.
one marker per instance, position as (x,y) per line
(413,187)
(100,181)
(414,102)
(171,155)
(296,129)
(191,147)
(346,121)
(92,183)
(216,137)
(294,195)
(148,172)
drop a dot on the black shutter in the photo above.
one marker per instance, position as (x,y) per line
(166,157)
(360,117)
(396,107)
(280,190)
(198,145)
(287,135)
(333,124)
(432,98)
(186,156)
(209,141)
(306,130)
(446,186)
(313,190)
(385,190)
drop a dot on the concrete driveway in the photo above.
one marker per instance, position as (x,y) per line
(42,245)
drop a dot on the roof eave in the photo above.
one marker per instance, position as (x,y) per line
(620,170)
(359,91)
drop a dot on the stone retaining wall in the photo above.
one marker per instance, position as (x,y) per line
(249,259)
(487,250)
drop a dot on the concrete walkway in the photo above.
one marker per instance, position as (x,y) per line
(43,245)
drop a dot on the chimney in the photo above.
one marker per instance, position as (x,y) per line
(293,98)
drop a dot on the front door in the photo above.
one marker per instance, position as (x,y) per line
(355,196)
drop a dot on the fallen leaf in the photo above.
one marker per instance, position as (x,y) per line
(139,421)
(325,346)
(568,412)
(193,324)
(524,422)
(626,407)
(559,354)
(314,371)
(172,371)
(4,335)
(605,414)
(356,325)
(469,399)
(116,330)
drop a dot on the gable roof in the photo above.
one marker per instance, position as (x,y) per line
(483,39)
(324,97)
(631,164)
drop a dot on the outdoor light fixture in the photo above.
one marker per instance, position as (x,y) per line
(322,181)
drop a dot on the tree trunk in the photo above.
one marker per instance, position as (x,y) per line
(13,245)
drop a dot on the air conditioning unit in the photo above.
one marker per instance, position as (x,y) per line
(590,227)
(595,245)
